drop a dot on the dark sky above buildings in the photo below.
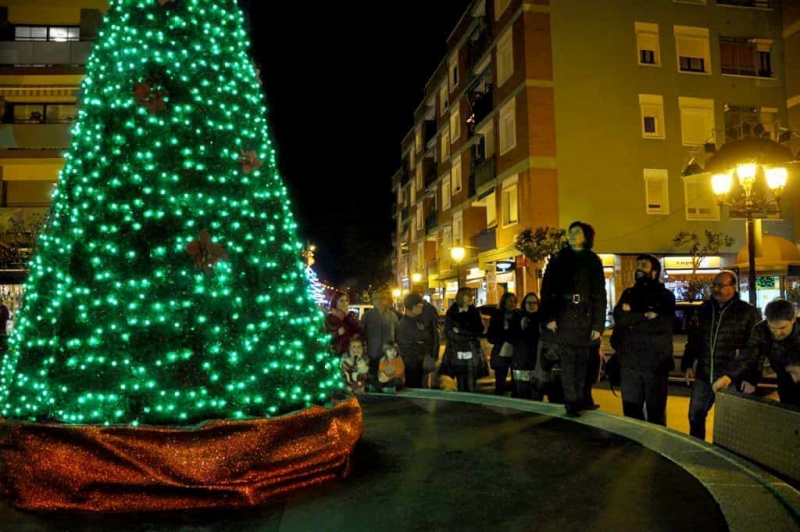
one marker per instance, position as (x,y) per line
(342,81)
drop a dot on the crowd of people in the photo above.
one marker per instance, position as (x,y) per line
(550,346)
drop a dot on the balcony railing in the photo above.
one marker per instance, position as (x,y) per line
(484,172)
(431,222)
(35,136)
(478,47)
(44,53)
(485,241)
(429,130)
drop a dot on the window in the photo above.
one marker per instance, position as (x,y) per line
(420,180)
(421,265)
(743,121)
(700,201)
(745,57)
(445,144)
(447,239)
(694,54)
(455,125)
(419,216)
(47,33)
(418,139)
(446,193)
(510,201)
(505,57)
(491,210)
(697,121)
(508,126)
(747,3)
(656,191)
(647,43)
(499,7)
(458,227)
(43,113)
(455,172)
(443,103)
(652,109)
(412,194)
(485,147)
(453,70)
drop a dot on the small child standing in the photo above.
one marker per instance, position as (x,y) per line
(391,370)
(355,367)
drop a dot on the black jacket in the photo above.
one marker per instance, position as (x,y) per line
(763,345)
(568,274)
(525,340)
(646,344)
(411,341)
(727,329)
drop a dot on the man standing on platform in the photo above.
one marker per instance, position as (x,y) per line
(719,327)
(646,314)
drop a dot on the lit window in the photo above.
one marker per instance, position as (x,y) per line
(508,126)
(505,57)
(697,121)
(694,54)
(647,43)
(656,191)
(652,112)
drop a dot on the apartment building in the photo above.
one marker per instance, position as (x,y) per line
(548,111)
(44,45)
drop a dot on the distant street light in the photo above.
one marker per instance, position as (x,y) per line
(751,200)
(416,278)
(457,254)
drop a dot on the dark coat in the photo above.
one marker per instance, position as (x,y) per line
(568,273)
(433,323)
(412,341)
(499,332)
(763,345)
(466,338)
(525,340)
(727,329)
(646,344)
(341,342)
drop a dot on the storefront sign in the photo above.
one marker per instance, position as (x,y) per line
(685,263)
(504,266)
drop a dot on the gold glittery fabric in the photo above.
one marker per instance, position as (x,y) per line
(221,464)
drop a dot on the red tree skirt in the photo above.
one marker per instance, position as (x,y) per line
(221,464)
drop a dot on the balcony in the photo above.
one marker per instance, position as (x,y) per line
(485,241)
(429,131)
(429,172)
(35,136)
(479,44)
(484,172)
(431,222)
(482,105)
(47,53)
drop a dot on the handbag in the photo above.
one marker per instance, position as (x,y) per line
(429,364)
(507,350)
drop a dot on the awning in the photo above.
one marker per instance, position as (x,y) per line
(778,257)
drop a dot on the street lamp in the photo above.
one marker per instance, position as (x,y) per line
(416,278)
(457,254)
(749,198)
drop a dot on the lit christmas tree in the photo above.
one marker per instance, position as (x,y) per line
(169,286)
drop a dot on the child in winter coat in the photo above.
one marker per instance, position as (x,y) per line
(355,367)
(391,370)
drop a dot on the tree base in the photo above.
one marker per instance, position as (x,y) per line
(219,464)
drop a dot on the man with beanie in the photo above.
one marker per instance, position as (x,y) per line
(720,327)
(646,314)
(574,308)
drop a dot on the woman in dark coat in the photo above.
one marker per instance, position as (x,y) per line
(498,334)
(525,337)
(463,356)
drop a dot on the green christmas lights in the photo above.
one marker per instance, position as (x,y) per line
(169,286)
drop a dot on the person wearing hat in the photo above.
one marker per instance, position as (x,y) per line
(645,313)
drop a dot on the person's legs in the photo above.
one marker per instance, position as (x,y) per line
(500,377)
(573,375)
(656,390)
(699,406)
(592,376)
(414,377)
(632,389)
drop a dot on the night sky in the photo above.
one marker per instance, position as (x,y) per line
(342,81)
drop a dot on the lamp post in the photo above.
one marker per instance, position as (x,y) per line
(748,198)
(457,254)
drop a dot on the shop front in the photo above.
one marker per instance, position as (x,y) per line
(687,283)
